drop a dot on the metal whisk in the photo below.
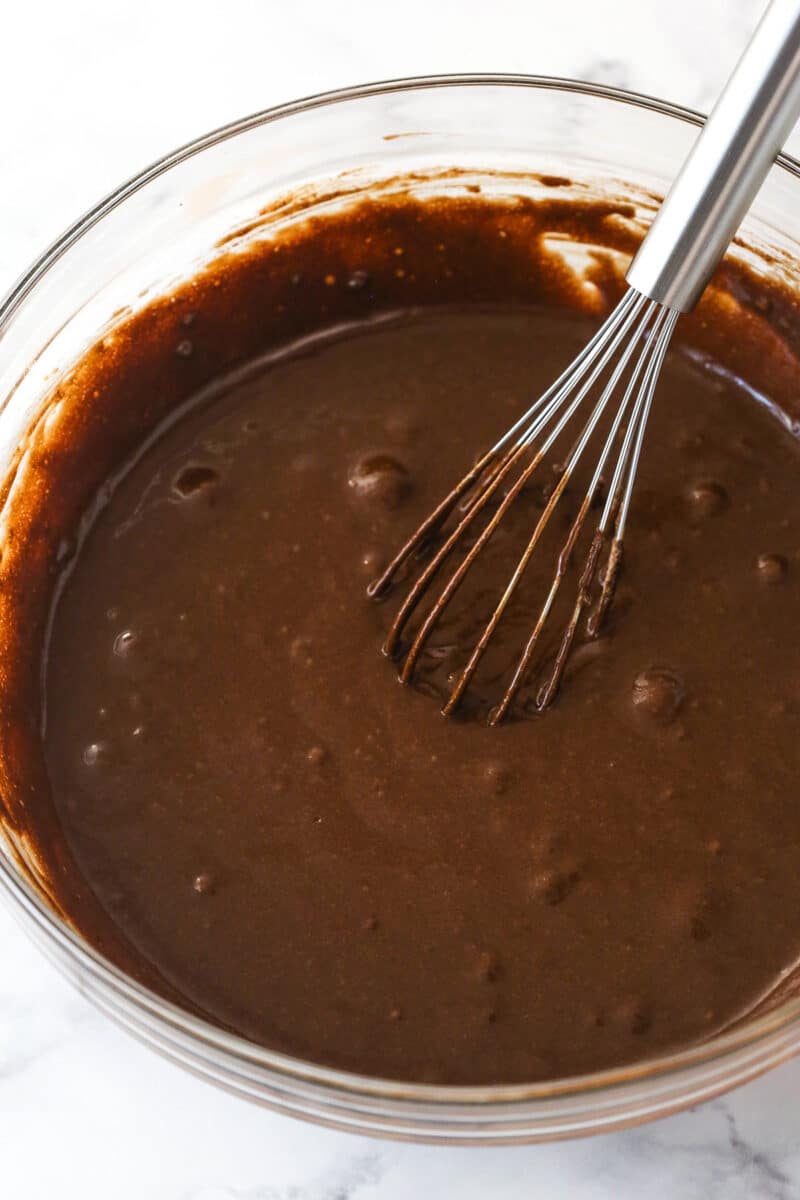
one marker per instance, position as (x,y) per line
(688,237)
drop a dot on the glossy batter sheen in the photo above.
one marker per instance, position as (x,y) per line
(306,851)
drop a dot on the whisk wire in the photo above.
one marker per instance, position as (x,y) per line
(619,499)
(576,369)
(598,541)
(607,347)
(635,323)
(490,463)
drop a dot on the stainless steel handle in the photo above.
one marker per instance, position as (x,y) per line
(726,166)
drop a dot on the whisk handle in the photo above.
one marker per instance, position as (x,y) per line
(726,166)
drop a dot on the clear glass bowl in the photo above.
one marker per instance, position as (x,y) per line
(159,227)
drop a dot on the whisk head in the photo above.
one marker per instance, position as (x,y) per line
(619,367)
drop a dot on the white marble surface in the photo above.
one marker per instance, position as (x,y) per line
(90,91)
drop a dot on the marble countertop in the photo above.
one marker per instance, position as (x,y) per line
(91,91)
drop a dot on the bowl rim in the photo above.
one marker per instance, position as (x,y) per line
(499,1102)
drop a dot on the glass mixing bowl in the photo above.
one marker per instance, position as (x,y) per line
(158,228)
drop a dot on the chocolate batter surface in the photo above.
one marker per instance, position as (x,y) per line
(306,851)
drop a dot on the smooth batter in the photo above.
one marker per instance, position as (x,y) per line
(306,851)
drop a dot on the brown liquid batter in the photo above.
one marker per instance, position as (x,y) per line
(307,852)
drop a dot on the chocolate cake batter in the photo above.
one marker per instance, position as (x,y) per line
(236,799)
